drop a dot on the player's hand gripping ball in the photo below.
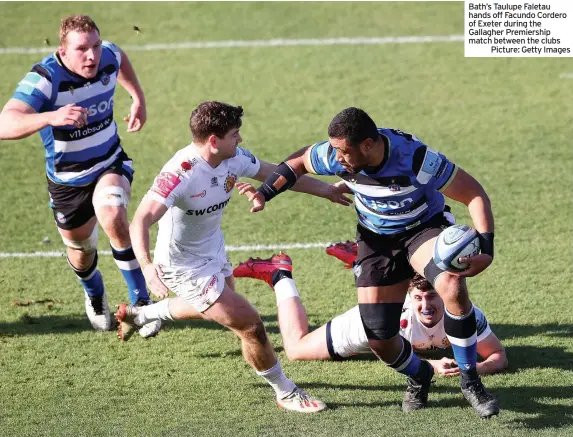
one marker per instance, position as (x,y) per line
(455,242)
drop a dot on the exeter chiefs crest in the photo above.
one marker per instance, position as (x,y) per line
(104,79)
(230,182)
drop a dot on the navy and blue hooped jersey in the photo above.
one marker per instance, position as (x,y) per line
(404,191)
(76,156)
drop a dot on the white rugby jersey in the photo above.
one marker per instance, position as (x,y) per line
(345,334)
(423,338)
(196,194)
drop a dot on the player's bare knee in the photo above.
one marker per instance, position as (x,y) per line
(114,222)
(295,355)
(451,288)
(255,332)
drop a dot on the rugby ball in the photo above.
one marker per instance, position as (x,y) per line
(455,242)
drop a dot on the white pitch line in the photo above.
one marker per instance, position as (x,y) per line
(566,76)
(257,43)
(247,248)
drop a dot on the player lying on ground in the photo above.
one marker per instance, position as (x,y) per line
(421,323)
(188,198)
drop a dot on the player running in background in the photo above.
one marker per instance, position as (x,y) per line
(398,183)
(421,322)
(188,198)
(68,98)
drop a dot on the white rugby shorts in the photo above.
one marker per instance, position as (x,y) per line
(201,287)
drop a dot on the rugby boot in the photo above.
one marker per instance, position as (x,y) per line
(98,312)
(345,252)
(263,268)
(125,317)
(150,329)
(480,399)
(301,402)
(416,396)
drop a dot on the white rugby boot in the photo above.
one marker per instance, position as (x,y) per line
(152,328)
(98,312)
(301,402)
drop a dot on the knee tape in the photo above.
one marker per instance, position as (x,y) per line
(89,245)
(112,195)
(432,271)
(381,320)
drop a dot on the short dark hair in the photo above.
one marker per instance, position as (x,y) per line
(354,125)
(419,282)
(78,23)
(214,118)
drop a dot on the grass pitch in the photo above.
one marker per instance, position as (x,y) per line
(506,121)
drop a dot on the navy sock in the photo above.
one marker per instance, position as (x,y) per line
(90,278)
(129,267)
(407,362)
(462,334)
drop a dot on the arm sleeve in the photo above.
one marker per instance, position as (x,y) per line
(111,46)
(35,89)
(322,159)
(250,165)
(432,168)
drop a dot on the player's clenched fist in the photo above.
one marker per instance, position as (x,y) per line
(70,115)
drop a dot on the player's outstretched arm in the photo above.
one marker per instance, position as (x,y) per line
(18,120)
(306,184)
(467,190)
(493,354)
(128,79)
(281,179)
(148,212)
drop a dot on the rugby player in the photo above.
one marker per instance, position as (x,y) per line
(188,198)
(68,98)
(398,183)
(421,322)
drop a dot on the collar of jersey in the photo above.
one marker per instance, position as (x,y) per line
(219,170)
(70,72)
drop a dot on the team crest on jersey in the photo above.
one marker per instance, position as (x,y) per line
(104,79)
(394,187)
(61,217)
(230,181)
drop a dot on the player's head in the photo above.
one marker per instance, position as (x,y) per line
(352,134)
(80,45)
(217,125)
(426,302)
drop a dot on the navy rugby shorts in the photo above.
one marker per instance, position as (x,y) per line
(73,206)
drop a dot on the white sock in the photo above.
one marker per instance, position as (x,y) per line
(149,313)
(278,380)
(285,289)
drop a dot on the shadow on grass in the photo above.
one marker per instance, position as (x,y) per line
(71,324)
(530,400)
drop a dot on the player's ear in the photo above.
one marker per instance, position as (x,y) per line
(367,145)
(213,141)
(62,51)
